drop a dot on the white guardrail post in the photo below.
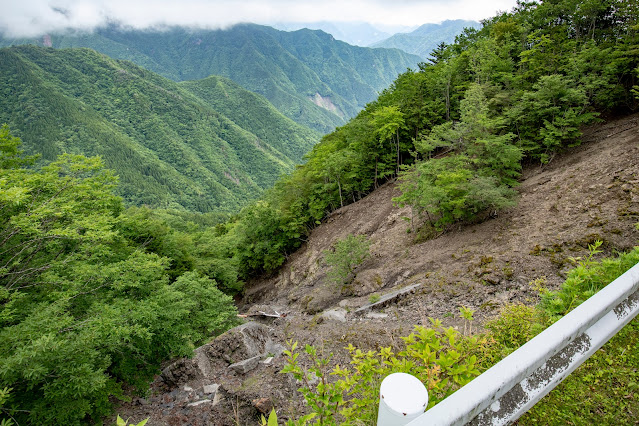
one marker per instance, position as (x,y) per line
(508,389)
(402,398)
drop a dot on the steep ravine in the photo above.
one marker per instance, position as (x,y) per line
(590,192)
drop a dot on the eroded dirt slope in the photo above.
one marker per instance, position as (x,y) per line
(588,193)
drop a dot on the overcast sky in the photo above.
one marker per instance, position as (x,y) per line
(37,17)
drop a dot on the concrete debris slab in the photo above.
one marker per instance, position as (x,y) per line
(195,404)
(376,315)
(267,361)
(245,366)
(210,389)
(387,298)
(217,398)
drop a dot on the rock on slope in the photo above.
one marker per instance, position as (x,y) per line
(589,193)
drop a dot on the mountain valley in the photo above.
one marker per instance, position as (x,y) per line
(290,69)
(210,226)
(203,146)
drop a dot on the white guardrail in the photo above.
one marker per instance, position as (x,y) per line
(511,387)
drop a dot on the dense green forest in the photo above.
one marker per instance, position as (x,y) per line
(307,75)
(203,146)
(94,296)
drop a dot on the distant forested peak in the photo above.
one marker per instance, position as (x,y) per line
(423,40)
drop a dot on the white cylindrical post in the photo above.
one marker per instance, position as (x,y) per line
(402,398)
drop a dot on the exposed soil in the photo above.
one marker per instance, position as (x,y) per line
(589,193)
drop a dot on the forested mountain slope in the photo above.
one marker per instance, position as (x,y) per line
(426,38)
(254,113)
(169,148)
(307,75)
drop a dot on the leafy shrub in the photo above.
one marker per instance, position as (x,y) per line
(348,253)
(374,298)
(440,357)
(119,421)
(4,397)
(271,421)
(585,280)
(515,325)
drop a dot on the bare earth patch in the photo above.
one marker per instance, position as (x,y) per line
(588,193)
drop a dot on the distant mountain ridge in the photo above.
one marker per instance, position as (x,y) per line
(354,33)
(307,75)
(172,145)
(425,39)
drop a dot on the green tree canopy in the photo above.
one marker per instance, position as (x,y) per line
(84,307)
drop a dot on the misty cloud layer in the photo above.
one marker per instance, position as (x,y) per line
(30,18)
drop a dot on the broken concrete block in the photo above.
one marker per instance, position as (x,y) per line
(195,404)
(245,366)
(210,389)
(376,315)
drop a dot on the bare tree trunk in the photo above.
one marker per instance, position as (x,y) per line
(412,219)
(398,160)
(448,99)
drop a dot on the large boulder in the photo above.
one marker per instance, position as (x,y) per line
(250,341)
(243,342)
(337,314)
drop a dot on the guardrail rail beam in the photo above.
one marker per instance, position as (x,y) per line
(511,387)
